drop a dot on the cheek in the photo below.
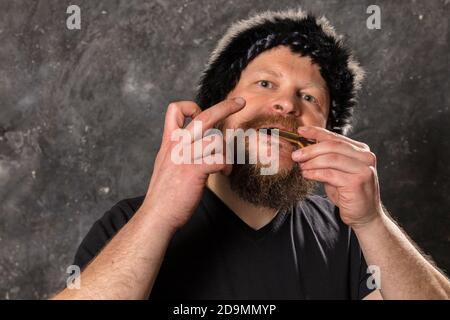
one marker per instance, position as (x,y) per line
(314,119)
(321,121)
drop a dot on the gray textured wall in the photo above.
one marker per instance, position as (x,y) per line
(81,114)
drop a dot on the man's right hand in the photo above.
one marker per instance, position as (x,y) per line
(176,189)
(128,265)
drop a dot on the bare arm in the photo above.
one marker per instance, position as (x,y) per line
(128,265)
(348,170)
(404,271)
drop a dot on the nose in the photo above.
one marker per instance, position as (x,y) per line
(286,105)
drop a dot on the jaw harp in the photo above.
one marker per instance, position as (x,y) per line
(291,137)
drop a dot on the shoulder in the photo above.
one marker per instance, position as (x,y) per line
(121,212)
(328,241)
(105,228)
(128,206)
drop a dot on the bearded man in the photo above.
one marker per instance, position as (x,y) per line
(224,231)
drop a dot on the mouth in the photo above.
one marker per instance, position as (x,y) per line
(270,127)
(287,143)
(293,138)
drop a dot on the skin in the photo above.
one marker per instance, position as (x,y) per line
(275,82)
(128,265)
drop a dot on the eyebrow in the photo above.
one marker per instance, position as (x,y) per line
(273,73)
(279,75)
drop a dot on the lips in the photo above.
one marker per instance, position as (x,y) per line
(274,126)
(286,145)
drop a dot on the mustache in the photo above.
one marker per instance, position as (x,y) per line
(259,121)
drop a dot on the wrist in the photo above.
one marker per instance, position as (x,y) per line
(376,220)
(153,217)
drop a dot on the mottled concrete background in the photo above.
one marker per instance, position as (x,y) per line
(81,114)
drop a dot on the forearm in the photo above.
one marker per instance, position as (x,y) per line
(128,265)
(405,273)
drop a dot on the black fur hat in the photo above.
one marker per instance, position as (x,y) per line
(303,33)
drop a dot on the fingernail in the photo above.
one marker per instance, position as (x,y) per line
(240,101)
(303,129)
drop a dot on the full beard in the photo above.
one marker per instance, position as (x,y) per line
(277,191)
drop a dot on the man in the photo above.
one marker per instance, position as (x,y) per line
(213,231)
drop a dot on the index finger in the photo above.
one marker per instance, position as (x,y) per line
(322,134)
(176,113)
(214,114)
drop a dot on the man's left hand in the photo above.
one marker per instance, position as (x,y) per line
(348,170)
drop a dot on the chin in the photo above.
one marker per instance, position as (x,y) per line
(284,160)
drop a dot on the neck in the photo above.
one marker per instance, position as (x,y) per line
(253,216)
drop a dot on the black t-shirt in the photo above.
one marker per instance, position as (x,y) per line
(305,252)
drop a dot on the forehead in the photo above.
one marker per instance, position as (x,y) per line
(283,61)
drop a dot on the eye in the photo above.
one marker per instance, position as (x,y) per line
(265,84)
(310,98)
